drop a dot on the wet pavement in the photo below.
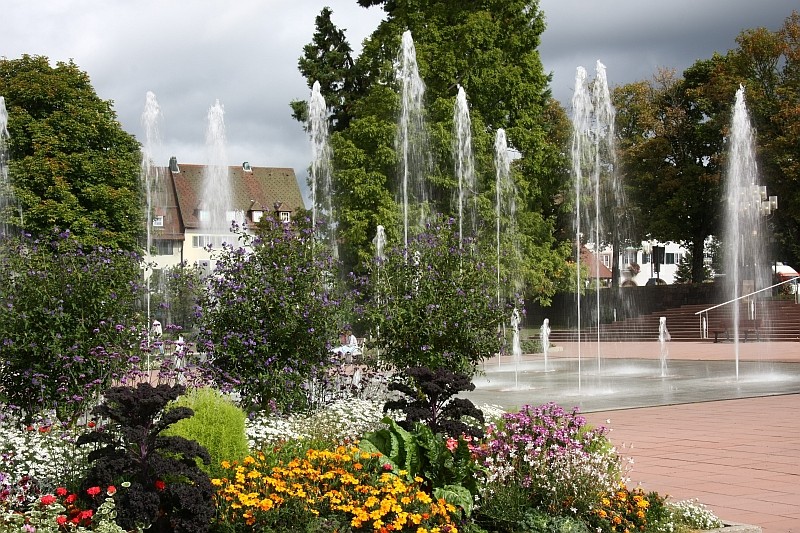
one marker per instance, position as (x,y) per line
(712,422)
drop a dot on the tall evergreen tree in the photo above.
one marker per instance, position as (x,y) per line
(488,48)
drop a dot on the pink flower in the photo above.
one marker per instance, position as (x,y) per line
(451,444)
(47,499)
(387,467)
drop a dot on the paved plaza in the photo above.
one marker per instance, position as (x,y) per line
(693,427)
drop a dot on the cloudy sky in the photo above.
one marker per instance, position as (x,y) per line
(191,54)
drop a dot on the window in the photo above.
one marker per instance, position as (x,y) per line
(164,247)
(606,260)
(203,215)
(285,216)
(645,258)
(158,221)
(215,241)
(670,258)
(256,216)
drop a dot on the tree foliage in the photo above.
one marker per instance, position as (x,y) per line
(671,150)
(672,135)
(489,49)
(71,164)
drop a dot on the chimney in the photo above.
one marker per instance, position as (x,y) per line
(173,165)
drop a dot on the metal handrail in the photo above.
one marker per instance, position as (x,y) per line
(703,327)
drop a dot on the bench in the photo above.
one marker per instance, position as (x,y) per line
(726,326)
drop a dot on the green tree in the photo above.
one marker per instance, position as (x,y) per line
(767,63)
(71,163)
(670,143)
(489,49)
(328,60)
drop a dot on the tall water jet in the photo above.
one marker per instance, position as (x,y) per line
(744,228)
(505,195)
(596,188)
(506,222)
(464,166)
(216,206)
(150,177)
(320,176)
(6,195)
(411,141)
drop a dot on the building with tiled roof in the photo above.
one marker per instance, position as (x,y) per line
(177,228)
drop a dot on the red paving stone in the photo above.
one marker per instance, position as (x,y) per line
(740,457)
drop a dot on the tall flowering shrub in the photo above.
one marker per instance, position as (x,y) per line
(548,459)
(65,322)
(431,304)
(270,314)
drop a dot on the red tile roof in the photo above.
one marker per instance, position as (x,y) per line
(260,189)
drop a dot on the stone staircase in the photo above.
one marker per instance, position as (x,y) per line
(780,321)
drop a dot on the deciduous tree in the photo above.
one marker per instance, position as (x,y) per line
(71,163)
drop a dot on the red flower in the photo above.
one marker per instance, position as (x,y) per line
(71,498)
(87,514)
(61,491)
(91,424)
(111,490)
(44,429)
(47,499)
(160,485)
(387,467)
(61,520)
(93,491)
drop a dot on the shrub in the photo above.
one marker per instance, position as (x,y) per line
(167,489)
(66,323)
(551,459)
(270,315)
(427,304)
(218,425)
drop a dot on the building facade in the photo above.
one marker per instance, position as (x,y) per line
(177,228)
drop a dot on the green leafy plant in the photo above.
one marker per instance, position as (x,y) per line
(446,465)
(167,489)
(218,425)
